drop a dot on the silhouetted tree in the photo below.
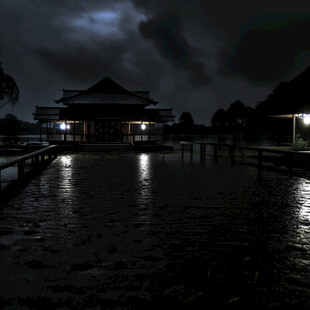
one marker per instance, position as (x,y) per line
(236,113)
(186,118)
(219,118)
(10,127)
(9,92)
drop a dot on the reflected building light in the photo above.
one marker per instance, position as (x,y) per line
(144,188)
(144,165)
(66,161)
(66,190)
(303,199)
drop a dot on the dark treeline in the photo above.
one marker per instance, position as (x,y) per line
(248,124)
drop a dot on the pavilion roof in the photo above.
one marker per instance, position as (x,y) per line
(104,92)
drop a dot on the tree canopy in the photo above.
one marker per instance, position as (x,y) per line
(9,92)
(186,118)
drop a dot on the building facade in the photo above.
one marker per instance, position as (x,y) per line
(105,112)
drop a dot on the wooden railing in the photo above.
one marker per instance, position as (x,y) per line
(38,160)
(290,155)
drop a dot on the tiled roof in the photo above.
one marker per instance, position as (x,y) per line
(106,88)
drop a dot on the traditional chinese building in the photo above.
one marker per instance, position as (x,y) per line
(105,112)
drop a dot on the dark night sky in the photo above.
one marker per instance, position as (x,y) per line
(195,56)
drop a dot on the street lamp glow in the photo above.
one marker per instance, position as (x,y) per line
(63,126)
(307,119)
(143,126)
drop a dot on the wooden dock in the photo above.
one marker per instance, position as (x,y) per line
(291,159)
(27,165)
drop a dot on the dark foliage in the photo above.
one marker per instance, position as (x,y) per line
(9,92)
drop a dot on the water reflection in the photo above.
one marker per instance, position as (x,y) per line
(303,201)
(303,198)
(66,184)
(144,189)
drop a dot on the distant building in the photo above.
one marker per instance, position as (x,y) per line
(104,112)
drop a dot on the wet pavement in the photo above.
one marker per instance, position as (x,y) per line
(139,231)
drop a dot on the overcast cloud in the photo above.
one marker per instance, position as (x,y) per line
(195,56)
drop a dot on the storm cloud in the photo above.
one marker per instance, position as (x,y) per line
(196,56)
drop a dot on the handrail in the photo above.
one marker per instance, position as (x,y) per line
(254,148)
(19,159)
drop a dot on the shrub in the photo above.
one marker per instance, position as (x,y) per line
(300,144)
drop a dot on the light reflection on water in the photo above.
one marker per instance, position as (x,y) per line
(148,224)
(303,198)
(66,184)
(144,194)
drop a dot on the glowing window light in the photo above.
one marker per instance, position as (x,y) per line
(143,126)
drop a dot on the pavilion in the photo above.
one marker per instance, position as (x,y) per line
(105,112)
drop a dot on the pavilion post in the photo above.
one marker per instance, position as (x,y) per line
(294,128)
(65,134)
(74,130)
(40,132)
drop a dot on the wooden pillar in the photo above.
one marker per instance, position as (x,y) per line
(242,151)
(141,131)
(294,128)
(182,146)
(65,133)
(47,130)
(201,151)
(40,132)
(215,152)
(232,154)
(54,130)
(74,131)
(20,170)
(129,134)
(191,150)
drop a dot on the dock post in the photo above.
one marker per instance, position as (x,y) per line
(192,148)
(201,151)
(232,154)
(182,145)
(42,158)
(260,159)
(215,153)
(204,150)
(20,170)
(242,150)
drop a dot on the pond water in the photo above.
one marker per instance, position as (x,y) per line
(137,231)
